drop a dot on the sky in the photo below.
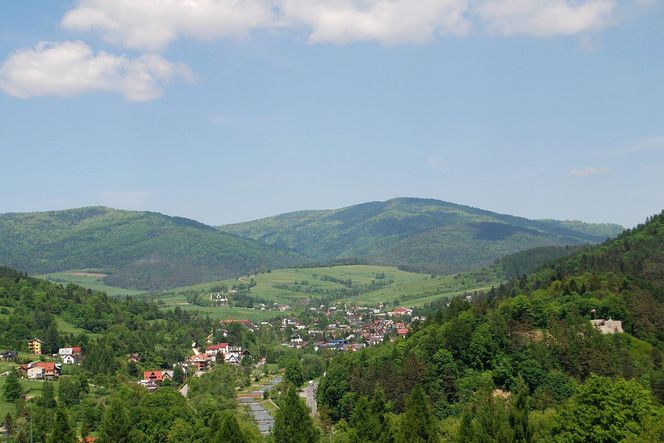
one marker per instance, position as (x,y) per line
(230,110)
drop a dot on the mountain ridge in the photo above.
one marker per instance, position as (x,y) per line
(375,232)
(140,249)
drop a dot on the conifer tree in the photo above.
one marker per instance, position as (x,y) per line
(61,432)
(418,424)
(230,431)
(293,423)
(518,416)
(47,399)
(12,390)
(115,426)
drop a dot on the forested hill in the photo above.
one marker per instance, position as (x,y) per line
(522,362)
(142,250)
(419,234)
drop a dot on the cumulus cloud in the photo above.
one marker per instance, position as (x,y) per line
(386,21)
(153,24)
(545,18)
(72,68)
(587,171)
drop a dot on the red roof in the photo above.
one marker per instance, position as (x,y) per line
(76,350)
(402,331)
(217,347)
(153,375)
(48,366)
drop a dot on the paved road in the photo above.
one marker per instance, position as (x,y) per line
(309,395)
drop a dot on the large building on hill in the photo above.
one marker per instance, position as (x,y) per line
(608,326)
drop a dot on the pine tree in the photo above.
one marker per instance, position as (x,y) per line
(62,432)
(12,390)
(418,424)
(115,426)
(518,416)
(47,399)
(230,431)
(293,423)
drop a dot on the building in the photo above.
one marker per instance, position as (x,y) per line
(213,350)
(608,326)
(41,370)
(71,355)
(152,379)
(35,346)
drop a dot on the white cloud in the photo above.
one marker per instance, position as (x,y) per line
(72,68)
(153,24)
(587,171)
(385,21)
(545,18)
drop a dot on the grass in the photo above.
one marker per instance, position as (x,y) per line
(32,388)
(65,327)
(90,281)
(293,286)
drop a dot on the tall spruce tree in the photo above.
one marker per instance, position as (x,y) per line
(115,426)
(293,423)
(230,431)
(61,432)
(418,423)
(518,415)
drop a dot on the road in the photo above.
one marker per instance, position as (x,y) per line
(309,395)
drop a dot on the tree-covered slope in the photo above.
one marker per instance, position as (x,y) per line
(419,234)
(523,362)
(142,250)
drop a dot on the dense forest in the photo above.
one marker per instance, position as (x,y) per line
(521,362)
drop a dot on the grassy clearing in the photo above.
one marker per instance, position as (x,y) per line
(90,280)
(32,389)
(293,285)
(65,327)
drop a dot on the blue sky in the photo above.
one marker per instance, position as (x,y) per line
(538,108)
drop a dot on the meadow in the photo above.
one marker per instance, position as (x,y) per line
(353,284)
(91,280)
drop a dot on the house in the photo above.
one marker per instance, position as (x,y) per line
(8,355)
(35,346)
(219,299)
(402,332)
(71,355)
(41,370)
(398,312)
(200,361)
(157,376)
(133,358)
(608,326)
(214,350)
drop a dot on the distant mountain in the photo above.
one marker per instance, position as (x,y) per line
(418,234)
(142,250)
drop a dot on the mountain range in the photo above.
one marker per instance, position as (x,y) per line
(142,250)
(417,234)
(148,250)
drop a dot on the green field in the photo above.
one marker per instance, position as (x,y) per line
(293,286)
(92,281)
(32,388)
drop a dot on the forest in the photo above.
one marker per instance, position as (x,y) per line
(520,362)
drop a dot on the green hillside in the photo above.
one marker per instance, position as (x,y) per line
(418,234)
(141,250)
(523,362)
